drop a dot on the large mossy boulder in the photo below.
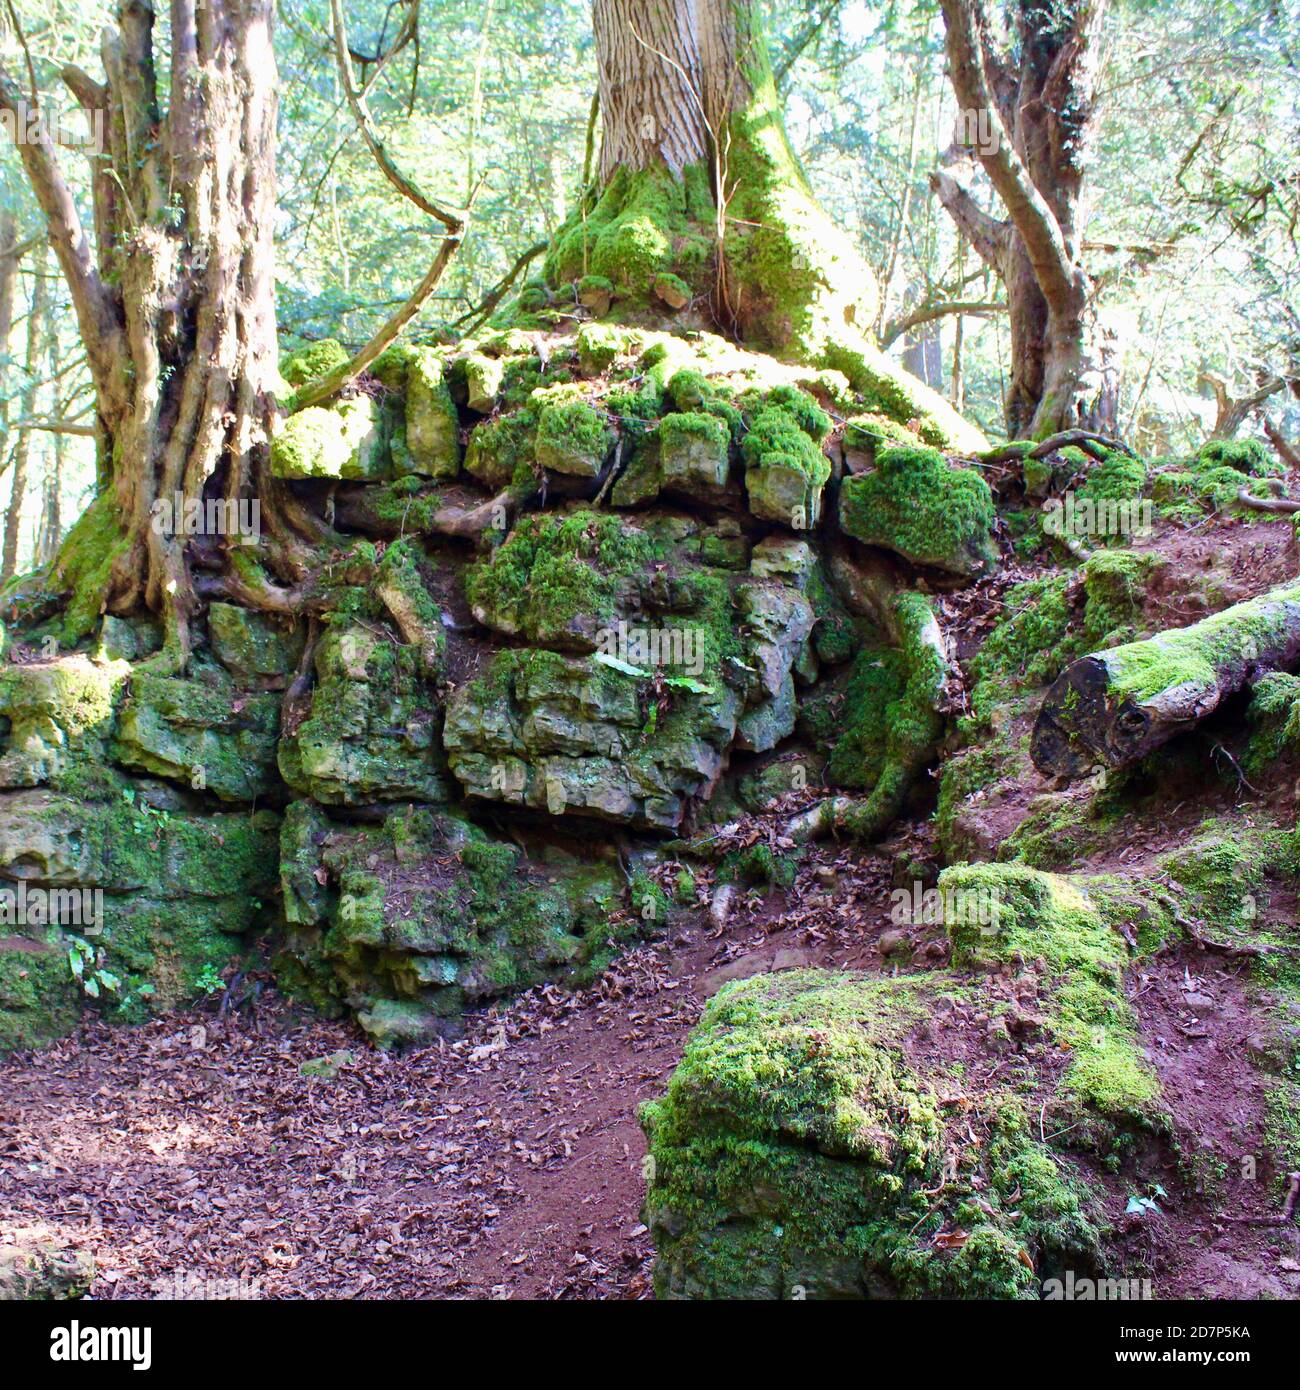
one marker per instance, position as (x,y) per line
(802,1151)
(345,441)
(922,508)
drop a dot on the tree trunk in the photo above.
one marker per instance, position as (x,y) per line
(36,328)
(176,307)
(8,286)
(1115,706)
(701,214)
(1031,122)
(50,530)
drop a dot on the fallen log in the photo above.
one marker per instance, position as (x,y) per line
(1113,707)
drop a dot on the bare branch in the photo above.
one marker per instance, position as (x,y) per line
(96,312)
(453,221)
(929,312)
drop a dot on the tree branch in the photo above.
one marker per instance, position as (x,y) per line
(96,311)
(927,314)
(1033,218)
(453,221)
(986,233)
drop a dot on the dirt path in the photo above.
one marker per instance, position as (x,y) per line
(506,1164)
(192,1156)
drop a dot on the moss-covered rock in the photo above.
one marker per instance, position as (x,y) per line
(38,1268)
(431,433)
(203,734)
(348,440)
(151,902)
(315,360)
(573,438)
(500,448)
(785,469)
(373,732)
(251,645)
(569,735)
(559,578)
(57,718)
(800,1153)
(694,453)
(423,914)
(1075,927)
(917,505)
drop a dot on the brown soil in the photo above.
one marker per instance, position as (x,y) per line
(507,1164)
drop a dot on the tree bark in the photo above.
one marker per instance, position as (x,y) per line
(50,530)
(1031,123)
(9,261)
(175,305)
(1113,707)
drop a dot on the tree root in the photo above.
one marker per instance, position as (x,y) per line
(1284,506)
(1095,445)
(914,725)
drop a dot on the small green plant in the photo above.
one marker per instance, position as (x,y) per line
(87,965)
(209,980)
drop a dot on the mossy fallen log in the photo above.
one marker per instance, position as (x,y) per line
(1112,707)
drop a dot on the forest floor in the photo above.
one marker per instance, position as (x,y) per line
(192,1157)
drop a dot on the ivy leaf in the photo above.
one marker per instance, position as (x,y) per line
(615,664)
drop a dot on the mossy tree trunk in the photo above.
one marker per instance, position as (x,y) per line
(702,215)
(697,180)
(1029,116)
(175,302)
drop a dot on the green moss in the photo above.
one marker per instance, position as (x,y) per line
(1019,915)
(500,447)
(885,389)
(84,563)
(867,433)
(759,865)
(314,360)
(348,440)
(798,1154)
(1118,477)
(835,636)
(572,437)
(917,505)
(1189,656)
(1274,716)
(1250,456)
(557,573)
(642,224)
